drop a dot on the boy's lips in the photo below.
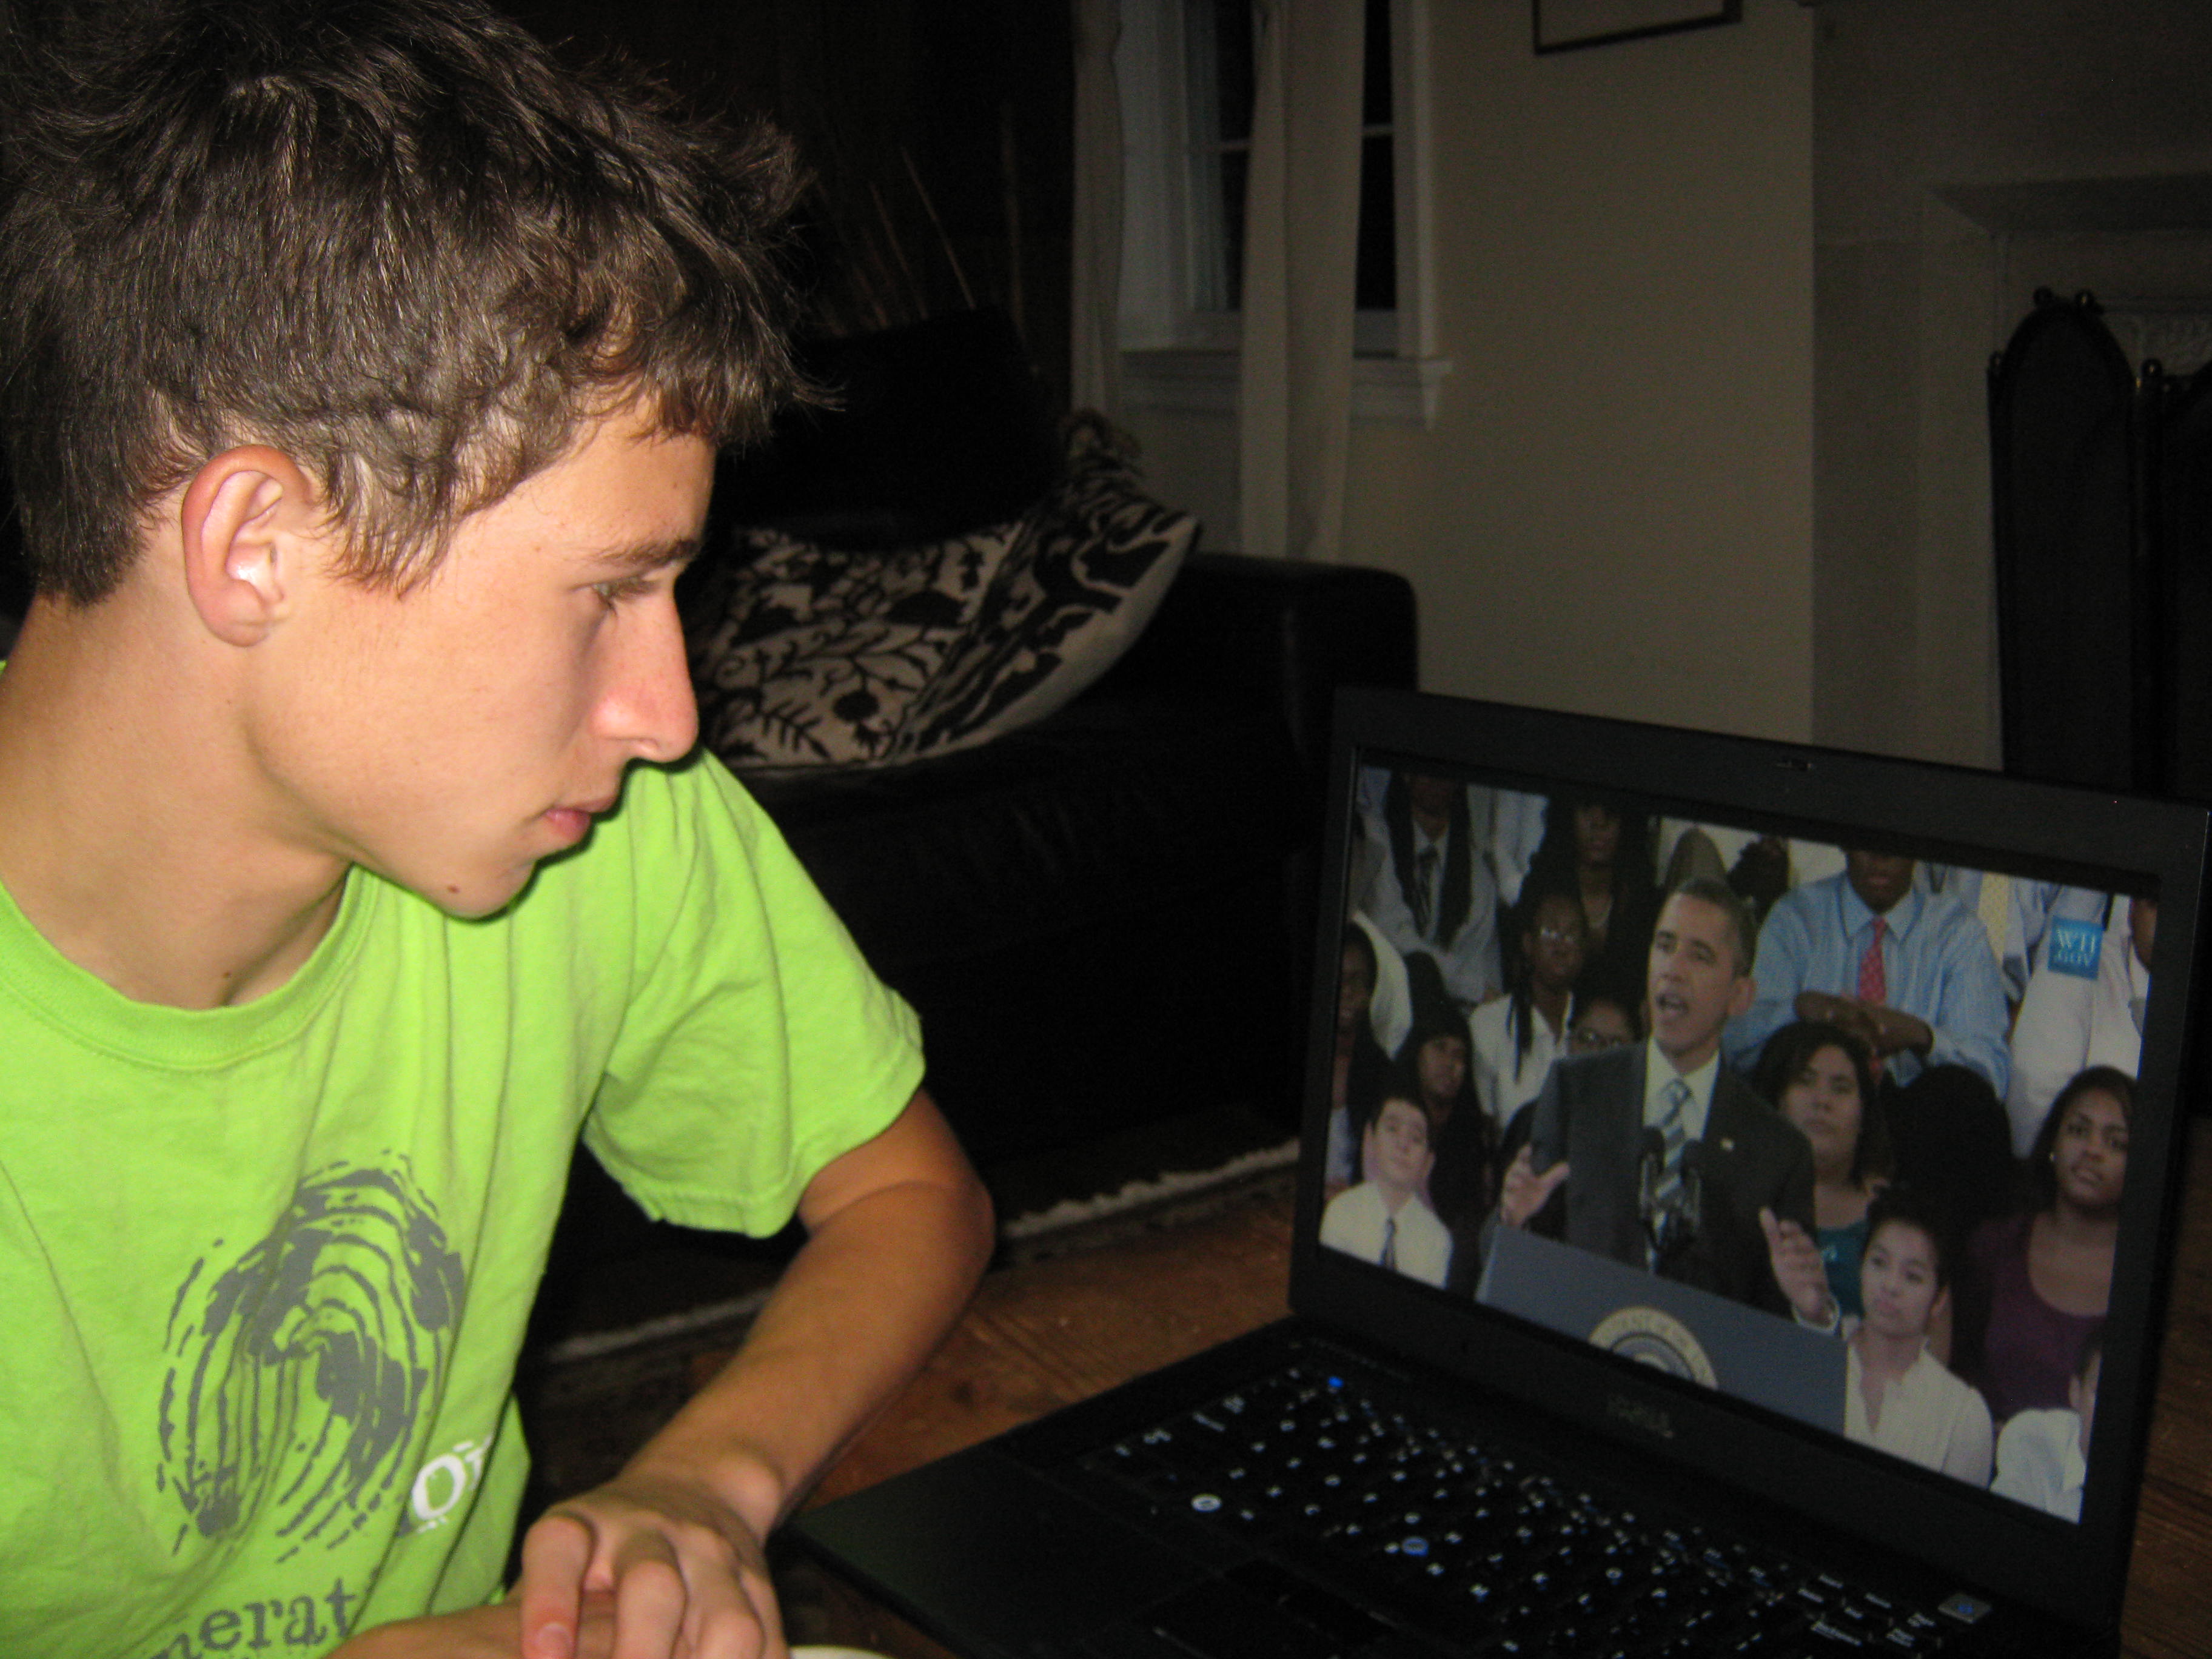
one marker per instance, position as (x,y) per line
(572,823)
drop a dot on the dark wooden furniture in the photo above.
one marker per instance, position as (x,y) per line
(2101,512)
(1044,1335)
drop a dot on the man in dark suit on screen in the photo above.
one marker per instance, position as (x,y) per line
(1658,1155)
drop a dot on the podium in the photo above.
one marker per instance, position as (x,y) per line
(1678,1328)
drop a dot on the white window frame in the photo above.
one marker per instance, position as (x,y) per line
(1178,357)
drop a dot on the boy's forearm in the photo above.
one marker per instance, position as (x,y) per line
(899,1233)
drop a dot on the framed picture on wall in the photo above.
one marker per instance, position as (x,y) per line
(1569,25)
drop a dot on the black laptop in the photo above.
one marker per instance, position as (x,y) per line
(1554,1450)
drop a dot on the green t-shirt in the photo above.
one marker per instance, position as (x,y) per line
(265,1269)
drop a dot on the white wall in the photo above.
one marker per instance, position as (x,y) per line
(1664,263)
(1613,511)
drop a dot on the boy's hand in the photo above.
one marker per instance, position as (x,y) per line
(493,1633)
(898,1229)
(684,1571)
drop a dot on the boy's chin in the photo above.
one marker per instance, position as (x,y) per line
(472,897)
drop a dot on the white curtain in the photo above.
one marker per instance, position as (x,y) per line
(1094,344)
(1301,243)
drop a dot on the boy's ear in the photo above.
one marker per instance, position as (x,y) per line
(242,517)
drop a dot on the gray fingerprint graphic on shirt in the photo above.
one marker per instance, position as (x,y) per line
(296,1374)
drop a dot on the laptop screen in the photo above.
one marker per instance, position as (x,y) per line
(1836,1094)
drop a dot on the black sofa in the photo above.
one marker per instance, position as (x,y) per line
(1104,919)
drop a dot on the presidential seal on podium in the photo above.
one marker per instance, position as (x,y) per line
(1658,1339)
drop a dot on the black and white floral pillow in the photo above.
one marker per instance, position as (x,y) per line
(820,656)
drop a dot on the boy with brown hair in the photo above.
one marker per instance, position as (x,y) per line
(360,374)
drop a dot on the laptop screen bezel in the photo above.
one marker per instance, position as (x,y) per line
(2075,1571)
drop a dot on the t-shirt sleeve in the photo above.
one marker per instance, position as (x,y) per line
(756,1045)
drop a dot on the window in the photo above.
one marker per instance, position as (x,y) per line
(1218,47)
(1186,72)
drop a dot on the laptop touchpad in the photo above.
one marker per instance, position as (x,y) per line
(1025,1556)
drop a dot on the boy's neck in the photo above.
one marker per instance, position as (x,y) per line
(127,829)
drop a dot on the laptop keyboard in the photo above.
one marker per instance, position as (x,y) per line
(1488,1551)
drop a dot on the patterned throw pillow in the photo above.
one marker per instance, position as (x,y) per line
(819,656)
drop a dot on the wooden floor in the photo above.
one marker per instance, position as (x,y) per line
(1053,1332)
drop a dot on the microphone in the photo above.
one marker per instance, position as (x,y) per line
(1650,1166)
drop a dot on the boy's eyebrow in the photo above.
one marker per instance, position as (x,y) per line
(648,556)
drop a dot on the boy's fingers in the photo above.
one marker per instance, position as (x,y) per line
(556,1554)
(734,1619)
(650,1601)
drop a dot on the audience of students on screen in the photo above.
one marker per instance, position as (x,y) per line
(1384,1218)
(2043,1455)
(1430,886)
(1912,975)
(1601,856)
(2038,1281)
(1897,1394)
(2071,1019)
(1433,1061)
(1902,1019)
(1517,1036)
(1604,1021)
(1821,1078)
(1359,1068)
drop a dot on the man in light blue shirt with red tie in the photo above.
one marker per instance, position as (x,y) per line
(1912,975)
